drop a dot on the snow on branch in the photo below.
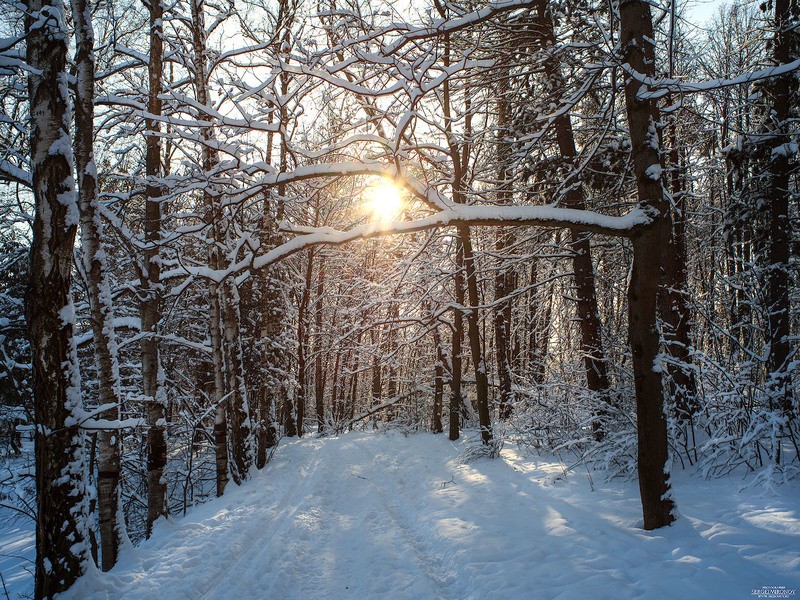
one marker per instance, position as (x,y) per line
(93,420)
(455,216)
(452,25)
(656,88)
(388,404)
(13,174)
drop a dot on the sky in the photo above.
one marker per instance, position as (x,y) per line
(700,11)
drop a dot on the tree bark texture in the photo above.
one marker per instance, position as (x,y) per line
(99,291)
(636,35)
(783,91)
(319,377)
(456,394)
(61,530)
(150,306)
(474,336)
(438,382)
(503,281)
(303,341)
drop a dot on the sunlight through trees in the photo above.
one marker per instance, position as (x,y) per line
(571,226)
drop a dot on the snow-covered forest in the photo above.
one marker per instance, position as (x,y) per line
(236,233)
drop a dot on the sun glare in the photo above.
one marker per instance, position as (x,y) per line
(385,202)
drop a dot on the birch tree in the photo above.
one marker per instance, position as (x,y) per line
(61,531)
(99,291)
(151,293)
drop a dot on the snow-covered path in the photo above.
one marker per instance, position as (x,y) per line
(386,516)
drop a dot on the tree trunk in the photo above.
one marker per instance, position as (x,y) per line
(503,278)
(377,370)
(438,382)
(675,308)
(738,244)
(456,396)
(61,530)
(218,362)
(782,89)
(274,360)
(539,322)
(355,369)
(474,335)
(275,404)
(221,448)
(302,341)
(674,298)
(286,19)
(99,292)
(150,307)
(636,37)
(238,422)
(391,348)
(335,402)
(215,241)
(240,431)
(459,155)
(319,377)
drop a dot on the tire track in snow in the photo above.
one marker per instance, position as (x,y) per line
(291,501)
(432,565)
(268,568)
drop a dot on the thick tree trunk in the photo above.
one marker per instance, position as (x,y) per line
(319,377)
(675,309)
(224,299)
(150,307)
(636,37)
(474,335)
(503,284)
(99,292)
(220,406)
(302,342)
(674,297)
(287,14)
(218,365)
(240,432)
(61,530)
(539,310)
(782,89)
(456,395)
(215,241)
(438,382)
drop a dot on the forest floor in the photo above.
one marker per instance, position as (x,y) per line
(365,516)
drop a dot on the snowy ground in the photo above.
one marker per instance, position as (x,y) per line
(17,532)
(17,553)
(385,516)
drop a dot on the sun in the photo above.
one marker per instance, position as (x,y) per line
(385,202)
